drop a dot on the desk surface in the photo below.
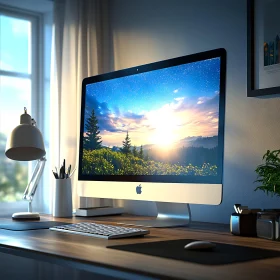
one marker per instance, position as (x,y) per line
(91,254)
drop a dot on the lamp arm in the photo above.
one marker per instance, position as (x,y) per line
(36,175)
(35,171)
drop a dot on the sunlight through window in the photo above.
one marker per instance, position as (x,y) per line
(15,93)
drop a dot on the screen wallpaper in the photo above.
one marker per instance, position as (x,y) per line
(161,122)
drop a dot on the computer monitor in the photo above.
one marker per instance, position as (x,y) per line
(156,133)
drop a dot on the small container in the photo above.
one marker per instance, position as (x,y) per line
(62,198)
(243,224)
(268,224)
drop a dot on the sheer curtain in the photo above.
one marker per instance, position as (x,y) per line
(81,48)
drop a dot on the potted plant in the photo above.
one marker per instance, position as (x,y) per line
(269,173)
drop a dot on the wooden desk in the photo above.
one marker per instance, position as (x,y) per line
(91,254)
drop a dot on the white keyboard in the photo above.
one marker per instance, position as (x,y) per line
(101,230)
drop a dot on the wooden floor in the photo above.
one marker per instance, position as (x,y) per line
(91,254)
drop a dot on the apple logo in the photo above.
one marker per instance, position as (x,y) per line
(138,189)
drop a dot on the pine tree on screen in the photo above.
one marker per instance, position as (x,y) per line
(134,151)
(141,153)
(126,148)
(92,140)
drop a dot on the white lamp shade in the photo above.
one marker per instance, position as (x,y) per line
(25,143)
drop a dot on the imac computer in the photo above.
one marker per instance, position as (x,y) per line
(156,133)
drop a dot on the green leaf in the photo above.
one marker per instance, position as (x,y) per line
(268,173)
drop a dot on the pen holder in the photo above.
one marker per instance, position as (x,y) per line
(62,199)
(243,224)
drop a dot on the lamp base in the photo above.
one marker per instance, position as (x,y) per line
(26,216)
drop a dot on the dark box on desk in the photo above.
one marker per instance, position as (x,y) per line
(243,224)
(268,224)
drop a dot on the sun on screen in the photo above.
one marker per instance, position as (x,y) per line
(166,127)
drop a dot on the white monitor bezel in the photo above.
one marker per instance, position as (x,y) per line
(163,192)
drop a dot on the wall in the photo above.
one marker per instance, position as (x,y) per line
(146,31)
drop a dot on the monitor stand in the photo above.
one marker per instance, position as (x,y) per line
(169,215)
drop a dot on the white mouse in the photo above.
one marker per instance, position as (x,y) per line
(200,245)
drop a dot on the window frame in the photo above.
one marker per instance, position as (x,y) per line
(36,77)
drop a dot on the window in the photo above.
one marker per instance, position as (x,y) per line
(19,84)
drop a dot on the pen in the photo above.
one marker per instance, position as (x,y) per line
(55,174)
(72,172)
(61,173)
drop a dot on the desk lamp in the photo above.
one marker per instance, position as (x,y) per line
(25,144)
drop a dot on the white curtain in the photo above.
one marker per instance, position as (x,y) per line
(81,48)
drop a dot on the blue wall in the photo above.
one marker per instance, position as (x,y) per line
(146,31)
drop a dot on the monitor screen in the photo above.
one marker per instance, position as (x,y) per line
(160,123)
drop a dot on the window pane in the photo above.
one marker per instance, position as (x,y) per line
(15,94)
(15,44)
